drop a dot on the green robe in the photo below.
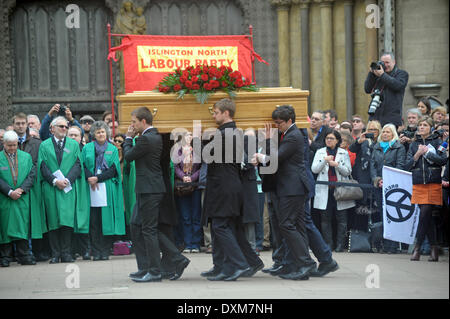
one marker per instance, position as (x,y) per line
(18,216)
(113,216)
(129,181)
(64,209)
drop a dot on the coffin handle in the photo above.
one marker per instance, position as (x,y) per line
(155,110)
(211,110)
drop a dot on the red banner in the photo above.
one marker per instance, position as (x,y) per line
(147,59)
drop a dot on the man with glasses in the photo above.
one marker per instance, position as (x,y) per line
(319,131)
(358,126)
(86,123)
(64,198)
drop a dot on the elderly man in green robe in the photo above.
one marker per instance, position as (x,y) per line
(17,176)
(64,193)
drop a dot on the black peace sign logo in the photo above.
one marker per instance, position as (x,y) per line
(403,203)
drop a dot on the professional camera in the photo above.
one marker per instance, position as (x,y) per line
(62,110)
(377,65)
(410,132)
(376,101)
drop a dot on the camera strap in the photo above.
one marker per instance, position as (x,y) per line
(376,82)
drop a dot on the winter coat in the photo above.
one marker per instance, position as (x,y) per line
(428,168)
(393,86)
(394,157)
(343,172)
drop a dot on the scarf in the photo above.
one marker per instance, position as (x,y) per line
(100,162)
(331,170)
(385,146)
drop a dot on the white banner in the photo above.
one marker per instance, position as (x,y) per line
(400,217)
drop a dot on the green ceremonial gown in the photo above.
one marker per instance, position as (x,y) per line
(17,215)
(113,216)
(70,209)
(129,181)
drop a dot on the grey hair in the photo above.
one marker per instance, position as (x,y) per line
(34,117)
(414,110)
(97,125)
(391,54)
(393,130)
(57,119)
(10,136)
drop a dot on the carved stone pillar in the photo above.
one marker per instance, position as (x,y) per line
(349,60)
(283,41)
(5,67)
(326,19)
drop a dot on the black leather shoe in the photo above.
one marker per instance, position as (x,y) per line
(67,259)
(167,275)
(211,273)
(42,257)
(147,278)
(86,256)
(54,260)
(26,261)
(253,270)
(180,269)
(301,274)
(105,257)
(96,258)
(4,262)
(238,273)
(268,270)
(137,274)
(281,270)
(218,277)
(325,268)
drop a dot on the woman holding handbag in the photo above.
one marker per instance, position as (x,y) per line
(388,151)
(425,160)
(188,196)
(332,163)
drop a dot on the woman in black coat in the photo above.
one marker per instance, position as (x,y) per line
(425,160)
(388,151)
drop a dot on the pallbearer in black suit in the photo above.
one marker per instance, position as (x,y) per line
(291,189)
(232,254)
(147,237)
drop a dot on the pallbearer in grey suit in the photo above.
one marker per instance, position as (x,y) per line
(148,239)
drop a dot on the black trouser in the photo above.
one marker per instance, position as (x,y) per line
(327,221)
(226,246)
(60,242)
(41,247)
(291,217)
(426,226)
(149,238)
(22,250)
(101,244)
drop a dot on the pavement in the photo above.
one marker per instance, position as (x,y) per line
(360,276)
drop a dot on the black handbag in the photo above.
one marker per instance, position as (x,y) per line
(344,193)
(184,189)
(359,242)
(376,234)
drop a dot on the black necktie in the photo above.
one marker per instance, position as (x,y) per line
(60,145)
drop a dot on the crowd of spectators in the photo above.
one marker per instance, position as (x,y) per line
(339,151)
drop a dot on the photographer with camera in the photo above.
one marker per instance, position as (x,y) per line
(55,111)
(386,83)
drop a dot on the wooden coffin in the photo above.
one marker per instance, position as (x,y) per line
(253,109)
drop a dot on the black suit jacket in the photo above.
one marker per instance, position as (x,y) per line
(146,153)
(290,178)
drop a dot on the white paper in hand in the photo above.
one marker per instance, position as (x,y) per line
(98,196)
(59,175)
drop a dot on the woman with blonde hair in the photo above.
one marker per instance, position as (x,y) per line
(388,151)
